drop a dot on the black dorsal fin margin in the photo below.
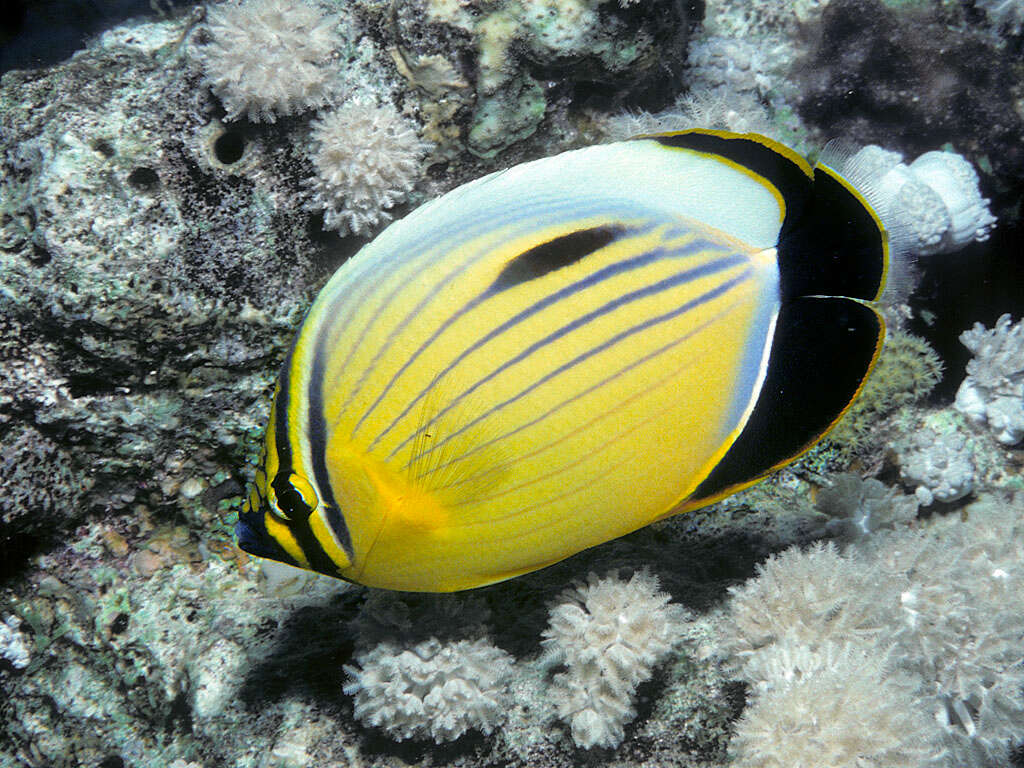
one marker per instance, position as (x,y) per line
(759,155)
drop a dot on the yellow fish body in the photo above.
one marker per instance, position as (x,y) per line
(555,355)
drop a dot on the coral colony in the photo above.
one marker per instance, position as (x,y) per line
(610,635)
(367,159)
(993,392)
(174,195)
(431,690)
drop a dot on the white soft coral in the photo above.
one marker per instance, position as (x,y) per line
(267,57)
(810,596)
(609,634)
(840,705)
(434,689)
(832,645)
(367,158)
(993,392)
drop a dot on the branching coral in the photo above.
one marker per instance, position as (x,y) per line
(267,57)
(367,158)
(993,391)
(610,634)
(434,689)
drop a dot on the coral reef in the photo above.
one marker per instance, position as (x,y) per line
(941,467)
(841,706)
(609,633)
(993,392)
(733,85)
(433,689)
(268,58)
(958,630)
(41,483)
(858,507)
(727,67)
(12,643)
(367,158)
(933,603)
(171,198)
(742,20)
(580,40)
(812,597)
(146,294)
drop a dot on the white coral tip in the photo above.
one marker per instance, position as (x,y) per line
(955,181)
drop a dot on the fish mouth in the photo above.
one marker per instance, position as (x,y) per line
(252,537)
(246,537)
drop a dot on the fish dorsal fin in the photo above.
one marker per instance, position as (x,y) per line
(755,155)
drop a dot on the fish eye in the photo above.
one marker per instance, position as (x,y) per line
(291,496)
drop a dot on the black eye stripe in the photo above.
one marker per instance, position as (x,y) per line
(289,500)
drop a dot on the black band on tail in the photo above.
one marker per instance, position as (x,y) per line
(836,249)
(822,351)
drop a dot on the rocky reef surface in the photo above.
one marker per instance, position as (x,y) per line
(172,197)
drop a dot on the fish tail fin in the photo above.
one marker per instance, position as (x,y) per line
(861,174)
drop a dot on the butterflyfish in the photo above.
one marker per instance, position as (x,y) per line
(557,354)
